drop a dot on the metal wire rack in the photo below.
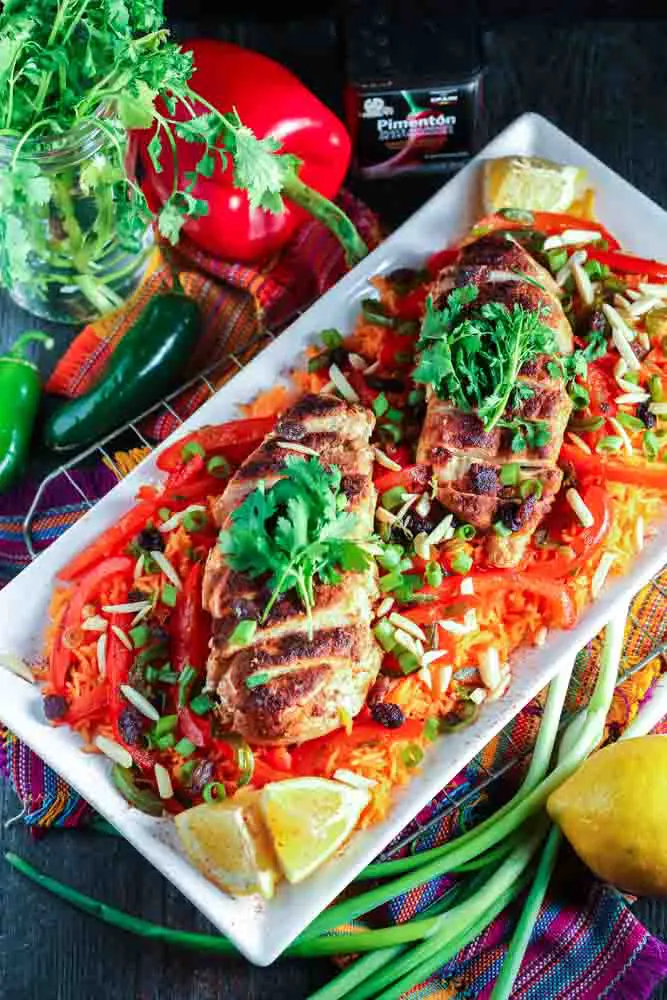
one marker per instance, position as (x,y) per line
(465,795)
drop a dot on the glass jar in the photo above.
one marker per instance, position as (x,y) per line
(74,233)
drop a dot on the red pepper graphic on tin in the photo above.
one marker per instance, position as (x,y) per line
(427,132)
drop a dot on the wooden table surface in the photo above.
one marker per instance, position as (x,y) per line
(605,85)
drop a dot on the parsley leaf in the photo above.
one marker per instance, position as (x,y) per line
(294,533)
(473,356)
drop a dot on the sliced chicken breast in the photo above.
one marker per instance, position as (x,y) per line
(314,680)
(467,460)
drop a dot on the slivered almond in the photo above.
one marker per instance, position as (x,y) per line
(357,361)
(621,302)
(571,237)
(410,499)
(601,573)
(425,677)
(434,654)
(478,695)
(644,340)
(579,442)
(623,434)
(639,533)
(342,384)
(385,607)
(423,505)
(467,586)
(541,636)
(114,751)
(422,548)
(579,507)
(122,636)
(405,640)
(643,304)
(629,398)
(302,449)
(442,530)
(372,368)
(163,782)
(444,679)
(385,461)
(166,567)
(385,516)
(353,779)
(400,621)
(659,409)
(620,368)
(659,291)
(583,283)
(489,667)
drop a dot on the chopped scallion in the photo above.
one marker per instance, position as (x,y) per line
(462,563)
(433,574)
(655,388)
(187,675)
(201,704)
(391,556)
(331,339)
(169,595)
(632,423)
(509,474)
(191,449)
(392,499)
(531,488)
(466,531)
(140,636)
(384,633)
(501,529)
(258,679)
(243,633)
(165,725)
(218,466)
(194,520)
(408,662)
(380,405)
(395,416)
(185,747)
(412,755)
(390,582)
(215,791)
(651,445)
(609,443)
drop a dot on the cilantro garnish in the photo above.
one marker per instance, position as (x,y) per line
(473,356)
(294,533)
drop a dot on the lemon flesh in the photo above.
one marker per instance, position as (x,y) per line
(227,842)
(531,183)
(613,811)
(308,819)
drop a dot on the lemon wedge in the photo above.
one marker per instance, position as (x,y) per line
(227,842)
(530,183)
(308,819)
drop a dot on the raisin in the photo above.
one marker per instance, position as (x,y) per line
(203,773)
(647,418)
(151,540)
(387,714)
(55,706)
(384,384)
(338,357)
(131,725)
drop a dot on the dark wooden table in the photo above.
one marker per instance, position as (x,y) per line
(604,84)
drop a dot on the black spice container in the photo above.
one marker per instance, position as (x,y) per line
(414,85)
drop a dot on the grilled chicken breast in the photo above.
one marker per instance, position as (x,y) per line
(467,461)
(315,682)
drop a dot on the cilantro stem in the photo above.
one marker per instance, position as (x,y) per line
(330,215)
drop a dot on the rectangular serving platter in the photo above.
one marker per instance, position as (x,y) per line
(262,930)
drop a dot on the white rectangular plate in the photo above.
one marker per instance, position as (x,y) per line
(263,930)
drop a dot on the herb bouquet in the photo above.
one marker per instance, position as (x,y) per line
(76,76)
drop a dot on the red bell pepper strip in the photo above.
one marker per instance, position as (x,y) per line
(396,350)
(87,706)
(426,614)
(195,728)
(119,661)
(411,476)
(274,104)
(185,473)
(585,544)
(110,541)
(264,774)
(190,626)
(412,305)
(61,656)
(443,258)
(214,438)
(630,264)
(549,223)
(637,473)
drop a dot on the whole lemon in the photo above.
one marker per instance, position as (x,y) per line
(613,811)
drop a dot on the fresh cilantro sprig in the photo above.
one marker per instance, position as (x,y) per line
(110,65)
(294,533)
(473,356)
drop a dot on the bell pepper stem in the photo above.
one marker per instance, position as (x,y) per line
(330,214)
(18,348)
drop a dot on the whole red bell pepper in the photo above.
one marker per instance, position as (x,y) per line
(275,105)
(86,591)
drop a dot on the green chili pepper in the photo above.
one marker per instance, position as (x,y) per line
(466,531)
(331,339)
(148,362)
(433,574)
(375,312)
(393,498)
(20,390)
(463,716)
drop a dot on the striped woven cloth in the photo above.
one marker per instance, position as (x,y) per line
(587,944)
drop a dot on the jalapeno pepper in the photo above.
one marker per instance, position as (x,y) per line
(20,390)
(148,362)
